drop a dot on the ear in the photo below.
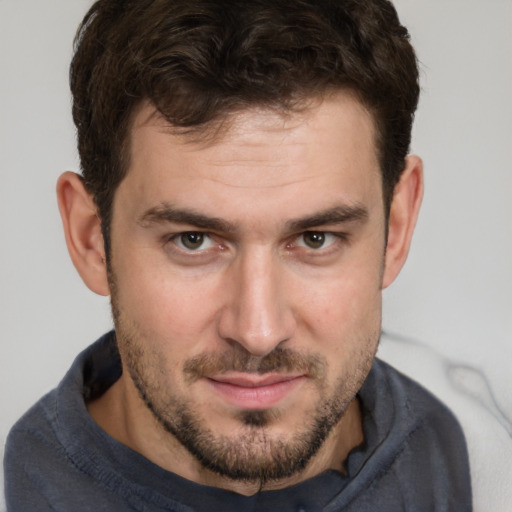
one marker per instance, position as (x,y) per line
(82,228)
(405,207)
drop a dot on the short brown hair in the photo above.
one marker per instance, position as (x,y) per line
(198,61)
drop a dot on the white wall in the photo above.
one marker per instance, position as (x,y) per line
(456,290)
(46,313)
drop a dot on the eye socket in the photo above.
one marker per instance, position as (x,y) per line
(193,241)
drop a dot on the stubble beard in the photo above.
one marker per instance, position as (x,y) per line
(253,454)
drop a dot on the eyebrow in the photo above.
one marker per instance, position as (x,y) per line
(166,213)
(337,215)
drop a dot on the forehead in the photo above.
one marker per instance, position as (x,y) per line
(318,123)
(323,153)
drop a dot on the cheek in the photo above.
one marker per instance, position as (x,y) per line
(164,307)
(345,300)
(344,315)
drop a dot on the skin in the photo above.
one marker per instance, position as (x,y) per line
(294,261)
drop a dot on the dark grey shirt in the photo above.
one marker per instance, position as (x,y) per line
(414,457)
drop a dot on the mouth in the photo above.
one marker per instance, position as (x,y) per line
(255,392)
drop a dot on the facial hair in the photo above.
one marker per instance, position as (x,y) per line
(253,452)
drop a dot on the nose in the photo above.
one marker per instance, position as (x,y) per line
(258,313)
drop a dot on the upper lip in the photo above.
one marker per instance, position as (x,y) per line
(254,380)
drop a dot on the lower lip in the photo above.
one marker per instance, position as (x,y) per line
(256,398)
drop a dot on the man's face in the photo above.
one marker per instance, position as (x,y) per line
(246,280)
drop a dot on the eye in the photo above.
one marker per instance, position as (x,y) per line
(316,240)
(193,241)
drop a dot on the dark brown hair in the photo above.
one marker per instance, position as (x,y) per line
(198,61)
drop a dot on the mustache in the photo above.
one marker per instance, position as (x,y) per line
(280,360)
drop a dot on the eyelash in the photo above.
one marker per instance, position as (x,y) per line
(176,238)
(339,237)
(325,235)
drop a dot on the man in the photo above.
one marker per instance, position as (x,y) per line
(246,195)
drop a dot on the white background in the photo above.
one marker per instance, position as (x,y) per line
(455,293)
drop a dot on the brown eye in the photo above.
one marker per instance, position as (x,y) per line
(191,240)
(314,239)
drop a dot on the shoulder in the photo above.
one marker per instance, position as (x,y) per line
(409,395)
(36,427)
(474,395)
(32,450)
(47,448)
(417,449)
(413,411)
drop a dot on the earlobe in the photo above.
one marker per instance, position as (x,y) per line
(402,219)
(82,228)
